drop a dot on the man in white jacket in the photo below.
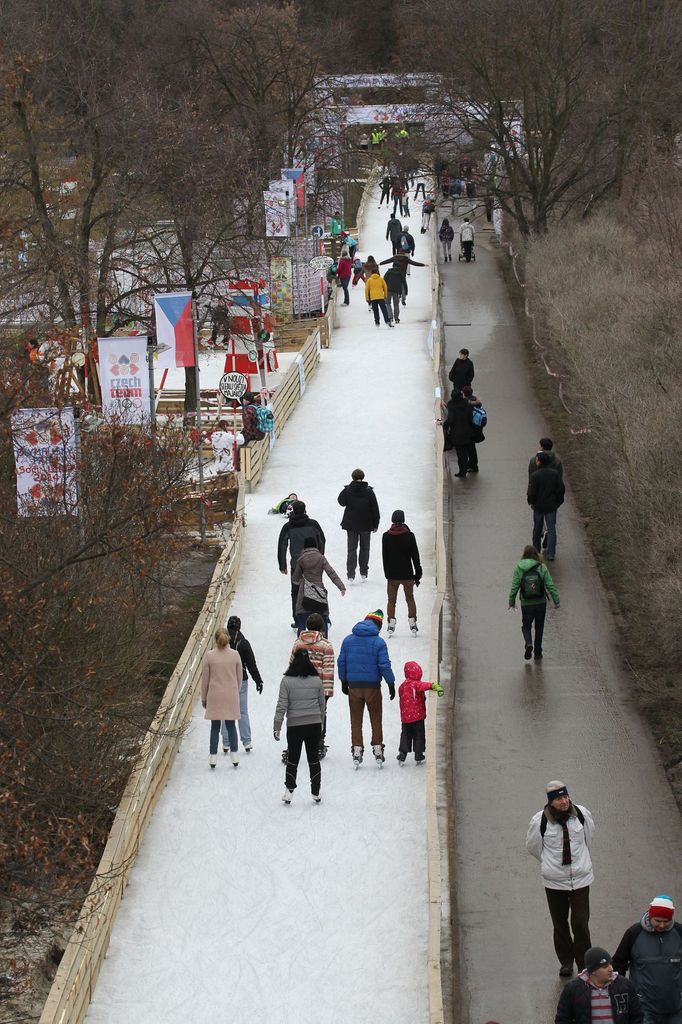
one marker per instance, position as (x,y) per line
(560,836)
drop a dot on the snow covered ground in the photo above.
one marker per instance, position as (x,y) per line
(239,907)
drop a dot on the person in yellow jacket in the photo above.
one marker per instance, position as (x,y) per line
(376,292)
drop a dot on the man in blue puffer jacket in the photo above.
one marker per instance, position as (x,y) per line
(363,662)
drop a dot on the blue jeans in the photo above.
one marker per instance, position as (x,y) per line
(540,519)
(244,722)
(215,733)
(344,282)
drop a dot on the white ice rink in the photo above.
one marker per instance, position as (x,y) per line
(240,908)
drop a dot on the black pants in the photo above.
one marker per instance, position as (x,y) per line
(462,457)
(294,597)
(577,902)
(396,247)
(354,539)
(413,737)
(467,249)
(385,194)
(380,304)
(297,735)
(420,185)
(533,613)
(473,456)
(397,203)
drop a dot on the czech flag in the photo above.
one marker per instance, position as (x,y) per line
(174,330)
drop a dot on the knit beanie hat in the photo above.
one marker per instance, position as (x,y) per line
(377,617)
(556,789)
(596,957)
(662,906)
(398,516)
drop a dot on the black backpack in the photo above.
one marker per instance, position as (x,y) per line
(532,583)
(543,820)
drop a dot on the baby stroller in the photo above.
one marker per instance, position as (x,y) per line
(464,255)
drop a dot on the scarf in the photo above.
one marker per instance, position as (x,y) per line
(562,818)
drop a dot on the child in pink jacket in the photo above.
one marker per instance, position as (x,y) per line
(412,697)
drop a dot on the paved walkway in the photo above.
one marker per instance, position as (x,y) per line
(520,724)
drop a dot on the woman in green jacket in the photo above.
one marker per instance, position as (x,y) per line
(532,582)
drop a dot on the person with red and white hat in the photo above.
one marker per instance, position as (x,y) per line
(652,952)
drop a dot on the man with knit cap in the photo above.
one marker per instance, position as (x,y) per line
(402,568)
(559,836)
(363,662)
(652,952)
(598,994)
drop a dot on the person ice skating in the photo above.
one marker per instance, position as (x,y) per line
(479,419)
(446,235)
(651,951)
(397,287)
(283,507)
(292,535)
(420,186)
(344,272)
(385,190)
(376,293)
(545,494)
(321,653)
(221,678)
(362,663)
(402,261)
(546,445)
(406,242)
(560,836)
(241,645)
(222,443)
(466,238)
(402,568)
(301,701)
(598,994)
(412,700)
(458,429)
(532,582)
(394,230)
(360,520)
(462,370)
(358,271)
(428,207)
(308,574)
(397,193)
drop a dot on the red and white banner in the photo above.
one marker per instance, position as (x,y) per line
(44,443)
(124,378)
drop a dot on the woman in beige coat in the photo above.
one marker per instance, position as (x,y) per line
(220,681)
(311,566)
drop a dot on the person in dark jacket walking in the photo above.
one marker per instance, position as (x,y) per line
(301,700)
(459,430)
(363,662)
(477,427)
(293,535)
(403,262)
(532,582)
(462,371)
(397,290)
(241,645)
(446,235)
(394,230)
(402,568)
(546,445)
(545,494)
(598,994)
(385,190)
(652,951)
(360,520)
(406,242)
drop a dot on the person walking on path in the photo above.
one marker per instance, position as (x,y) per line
(321,654)
(385,190)
(241,645)
(301,701)
(344,272)
(312,594)
(376,293)
(396,285)
(598,994)
(446,235)
(292,535)
(360,519)
(479,419)
(545,494)
(363,662)
(467,234)
(459,430)
(560,836)
(402,568)
(462,370)
(546,445)
(394,230)
(454,192)
(221,678)
(412,700)
(532,582)
(652,952)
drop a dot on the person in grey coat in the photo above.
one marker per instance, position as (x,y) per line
(310,569)
(301,700)
(652,951)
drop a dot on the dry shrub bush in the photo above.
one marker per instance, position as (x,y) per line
(610,301)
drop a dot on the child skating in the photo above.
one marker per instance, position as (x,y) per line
(412,698)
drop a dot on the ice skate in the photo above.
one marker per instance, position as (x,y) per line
(401,758)
(378,751)
(357,757)
(413,626)
(391,627)
(288,793)
(213,760)
(317,798)
(235,759)
(419,758)
(248,747)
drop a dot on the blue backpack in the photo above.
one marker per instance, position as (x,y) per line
(479,416)
(265,419)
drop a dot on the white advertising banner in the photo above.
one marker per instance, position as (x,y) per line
(276,214)
(124,378)
(44,443)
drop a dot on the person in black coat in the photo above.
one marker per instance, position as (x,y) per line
(402,568)
(479,436)
(459,430)
(394,229)
(360,520)
(241,645)
(598,979)
(462,372)
(293,534)
(545,494)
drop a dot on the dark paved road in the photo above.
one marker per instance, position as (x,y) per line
(520,724)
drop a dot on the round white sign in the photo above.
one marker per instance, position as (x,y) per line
(233,385)
(321,263)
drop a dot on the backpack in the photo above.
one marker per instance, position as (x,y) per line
(543,820)
(265,419)
(479,417)
(405,243)
(532,583)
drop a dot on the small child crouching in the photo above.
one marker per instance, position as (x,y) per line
(412,697)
